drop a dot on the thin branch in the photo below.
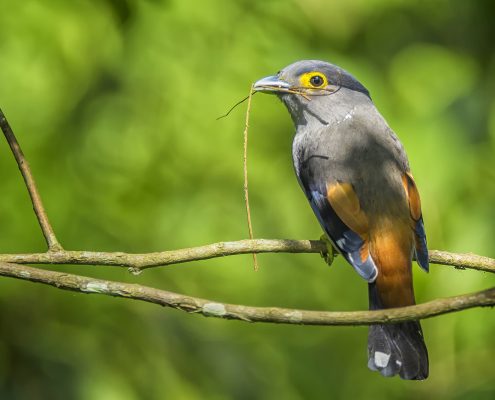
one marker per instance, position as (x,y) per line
(150,260)
(48,233)
(211,308)
(221,249)
(462,260)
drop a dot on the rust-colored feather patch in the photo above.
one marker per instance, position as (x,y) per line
(412,196)
(391,245)
(345,203)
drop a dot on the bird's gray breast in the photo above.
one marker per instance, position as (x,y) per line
(355,148)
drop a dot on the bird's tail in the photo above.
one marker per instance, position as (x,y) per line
(396,348)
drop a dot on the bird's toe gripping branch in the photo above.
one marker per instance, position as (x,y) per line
(329,254)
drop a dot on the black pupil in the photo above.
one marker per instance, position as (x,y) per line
(316,80)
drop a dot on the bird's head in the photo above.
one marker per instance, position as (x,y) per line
(312,87)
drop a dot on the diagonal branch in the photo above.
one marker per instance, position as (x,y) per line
(48,233)
(221,249)
(210,308)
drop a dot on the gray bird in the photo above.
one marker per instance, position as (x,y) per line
(355,174)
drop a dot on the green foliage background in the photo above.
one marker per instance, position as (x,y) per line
(114,103)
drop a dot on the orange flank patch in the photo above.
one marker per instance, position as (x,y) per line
(389,241)
(414,201)
(412,196)
(345,203)
(391,248)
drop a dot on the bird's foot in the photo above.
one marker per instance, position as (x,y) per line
(330,252)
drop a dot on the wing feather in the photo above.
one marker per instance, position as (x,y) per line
(340,215)
(421,248)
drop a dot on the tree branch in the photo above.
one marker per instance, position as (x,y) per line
(221,249)
(277,315)
(10,266)
(48,233)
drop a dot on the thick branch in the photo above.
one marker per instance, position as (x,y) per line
(221,249)
(48,233)
(244,313)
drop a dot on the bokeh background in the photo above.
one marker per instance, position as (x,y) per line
(114,103)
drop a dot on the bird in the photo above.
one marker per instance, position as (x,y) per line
(355,174)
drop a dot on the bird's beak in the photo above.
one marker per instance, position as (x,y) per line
(271,84)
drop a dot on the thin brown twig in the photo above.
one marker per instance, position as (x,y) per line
(246,190)
(235,105)
(302,91)
(39,210)
(276,315)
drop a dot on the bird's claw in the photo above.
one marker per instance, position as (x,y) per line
(330,252)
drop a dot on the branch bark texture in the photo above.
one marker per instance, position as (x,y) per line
(221,249)
(277,315)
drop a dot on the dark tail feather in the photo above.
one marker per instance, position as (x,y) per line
(396,348)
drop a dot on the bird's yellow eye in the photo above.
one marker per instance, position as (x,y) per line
(314,80)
